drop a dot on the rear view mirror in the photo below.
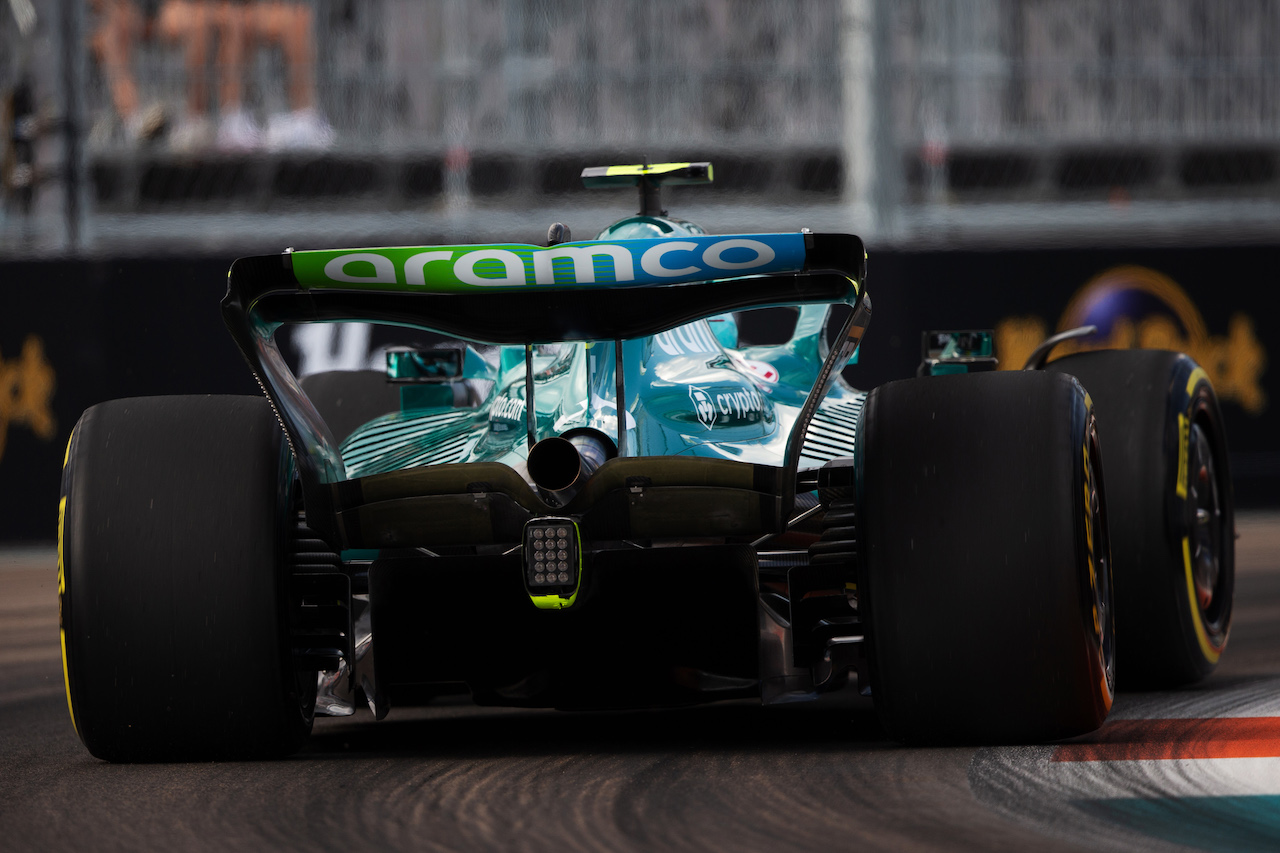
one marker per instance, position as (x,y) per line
(432,365)
(967,351)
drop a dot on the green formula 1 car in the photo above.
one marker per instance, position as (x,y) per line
(633,476)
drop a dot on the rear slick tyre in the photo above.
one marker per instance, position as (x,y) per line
(1171,510)
(172,586)
(985,586)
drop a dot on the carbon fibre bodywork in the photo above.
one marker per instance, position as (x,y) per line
(664,369)
(429,503)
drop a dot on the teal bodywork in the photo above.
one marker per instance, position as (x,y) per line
(689,391)
(625,386)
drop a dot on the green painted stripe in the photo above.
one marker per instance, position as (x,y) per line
(1236,824)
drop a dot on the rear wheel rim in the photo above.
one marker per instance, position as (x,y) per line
(1098,543)
(1205,522)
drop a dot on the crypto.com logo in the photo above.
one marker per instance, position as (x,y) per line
(26,390)
(1139,308)
(702,405)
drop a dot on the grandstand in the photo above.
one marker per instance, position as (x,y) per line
(945,123)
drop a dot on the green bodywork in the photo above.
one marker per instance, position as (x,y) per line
(626,385)
(545,340)
(687,392)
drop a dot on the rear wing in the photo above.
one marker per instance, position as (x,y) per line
(524,294)
(567,292)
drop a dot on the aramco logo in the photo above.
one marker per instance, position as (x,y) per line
(26,390)
(1135,307)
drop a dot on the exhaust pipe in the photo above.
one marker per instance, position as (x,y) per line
(560,465)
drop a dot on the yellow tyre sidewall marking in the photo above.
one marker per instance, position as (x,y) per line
(1184,448)
(1184,435)
(62,591)
(1196,376)
(1211,653)
(1207,648)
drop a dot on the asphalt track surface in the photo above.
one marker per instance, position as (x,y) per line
(1199,767)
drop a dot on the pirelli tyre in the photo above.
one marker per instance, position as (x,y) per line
(985,582)
(172,591)
(1171,510)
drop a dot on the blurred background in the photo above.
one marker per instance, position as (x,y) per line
(172,125)
(1023,165)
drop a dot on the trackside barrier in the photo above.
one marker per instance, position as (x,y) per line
(76,332)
